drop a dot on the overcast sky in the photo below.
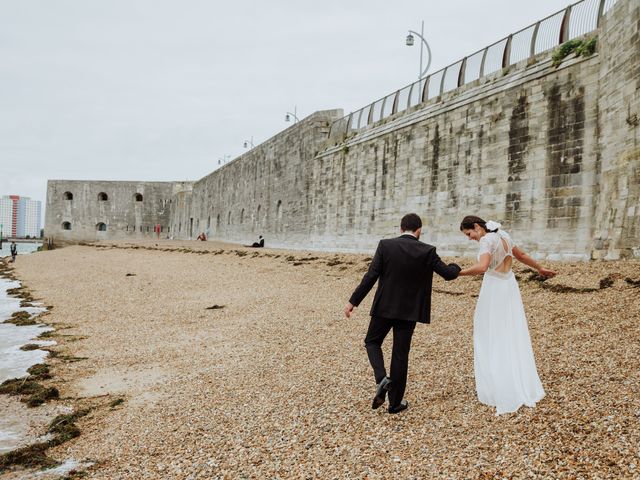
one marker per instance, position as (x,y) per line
(161,89)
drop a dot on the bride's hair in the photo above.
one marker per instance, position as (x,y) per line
(469,221)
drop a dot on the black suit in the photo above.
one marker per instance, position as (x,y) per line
(403,267)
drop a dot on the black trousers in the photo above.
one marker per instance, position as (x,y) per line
(402,333)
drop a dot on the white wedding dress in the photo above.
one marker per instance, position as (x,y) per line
(505,368)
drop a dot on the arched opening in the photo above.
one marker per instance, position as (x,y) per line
(67,196)
(137,197)
(218,221)
(242,216)
(103,197)
(229,219)
(101,227)
(66,225)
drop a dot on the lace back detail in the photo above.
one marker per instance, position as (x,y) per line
(499,245)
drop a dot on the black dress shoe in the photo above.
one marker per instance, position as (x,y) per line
(381,392)
(398,408)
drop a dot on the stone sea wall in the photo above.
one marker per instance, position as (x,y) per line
(552,152)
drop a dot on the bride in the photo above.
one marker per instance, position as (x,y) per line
(505,369)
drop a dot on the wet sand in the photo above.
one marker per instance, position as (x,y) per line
(276,383)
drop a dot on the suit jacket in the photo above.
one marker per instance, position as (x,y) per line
(403,267)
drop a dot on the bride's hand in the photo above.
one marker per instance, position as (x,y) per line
(545,272)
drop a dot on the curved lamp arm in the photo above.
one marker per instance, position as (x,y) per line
(423,73)
(293,115)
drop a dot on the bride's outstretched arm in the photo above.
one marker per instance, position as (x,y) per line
(527,260)
(480,267)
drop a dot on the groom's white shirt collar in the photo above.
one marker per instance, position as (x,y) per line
(408,233)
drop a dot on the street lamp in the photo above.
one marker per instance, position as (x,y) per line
(248,142)
(287,117)
(409,42)
(222,160)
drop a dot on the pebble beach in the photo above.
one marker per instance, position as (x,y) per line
(203,360)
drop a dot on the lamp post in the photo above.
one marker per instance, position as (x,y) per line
(423,43)
(222,160)
(287,117)
(248,142)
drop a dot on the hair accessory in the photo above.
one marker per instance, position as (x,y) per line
(491,225)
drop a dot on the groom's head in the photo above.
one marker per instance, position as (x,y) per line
(411,223)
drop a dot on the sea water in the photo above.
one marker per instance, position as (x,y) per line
(23,247)
(13,361)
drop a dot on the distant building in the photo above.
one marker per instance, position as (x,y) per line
(20,216)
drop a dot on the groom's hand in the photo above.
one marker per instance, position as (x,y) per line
(348,310)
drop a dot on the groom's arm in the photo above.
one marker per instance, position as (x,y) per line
(369,279)
(448,272)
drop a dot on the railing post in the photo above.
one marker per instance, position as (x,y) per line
(444,75)
(360,118)
(534,37)
(506,55)
(484,57)
(425,90)
(410,93)
(564,29)
(370,116)
(600,12)
(348,127)
(463,67)
(394,108)
(384,101)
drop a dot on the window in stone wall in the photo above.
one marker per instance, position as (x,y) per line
(101,227)
(137,197)
(229,219)
(67,196)
(127,228)
(242,216)
(103,197)
(218,221)
(66,225)
(209,222)
(147,228)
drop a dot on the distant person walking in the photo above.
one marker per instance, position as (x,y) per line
(14,251)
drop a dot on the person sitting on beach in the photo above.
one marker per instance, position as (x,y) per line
(259,243)
(14,251)
(202,237)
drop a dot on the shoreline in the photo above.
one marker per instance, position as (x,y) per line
(207,360)
(28,413)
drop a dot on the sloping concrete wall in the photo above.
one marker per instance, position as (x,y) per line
(266,191)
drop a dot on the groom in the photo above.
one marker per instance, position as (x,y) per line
(403,267)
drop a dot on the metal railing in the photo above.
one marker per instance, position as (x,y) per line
(572,22)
